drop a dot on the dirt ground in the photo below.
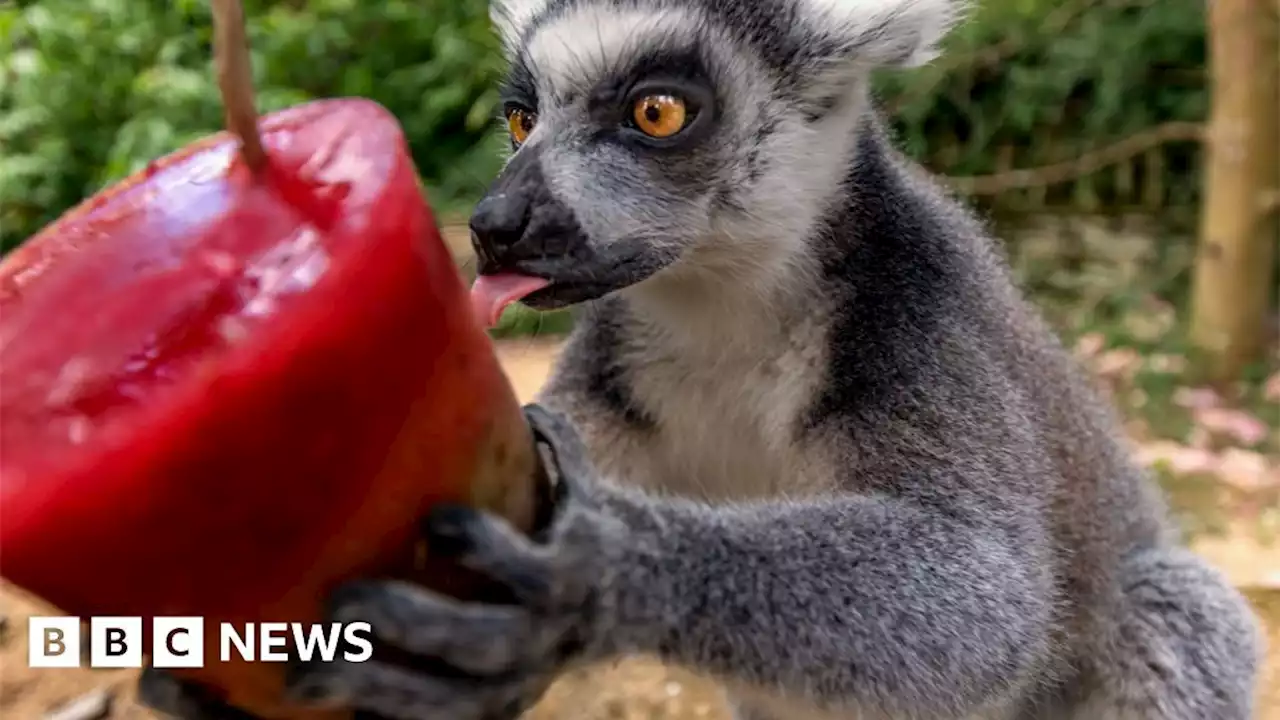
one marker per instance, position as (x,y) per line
(636,690)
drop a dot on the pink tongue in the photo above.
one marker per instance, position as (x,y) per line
(491,294)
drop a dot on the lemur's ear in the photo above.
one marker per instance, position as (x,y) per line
(903,33)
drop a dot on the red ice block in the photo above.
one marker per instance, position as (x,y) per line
(222,395)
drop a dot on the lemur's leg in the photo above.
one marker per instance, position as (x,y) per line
(1182,646)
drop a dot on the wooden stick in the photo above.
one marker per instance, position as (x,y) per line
(235,80)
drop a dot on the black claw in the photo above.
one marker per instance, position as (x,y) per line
(448,530)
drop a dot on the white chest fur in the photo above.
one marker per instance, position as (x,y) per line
(726,417)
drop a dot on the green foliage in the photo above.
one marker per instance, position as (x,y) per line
(90,90)
(1026,83)
(520,321)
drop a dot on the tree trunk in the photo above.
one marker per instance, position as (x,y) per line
(1233,283)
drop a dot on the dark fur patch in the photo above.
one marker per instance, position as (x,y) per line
(518,87)
(756,165)
(823,106)
(898,278)
(606,380)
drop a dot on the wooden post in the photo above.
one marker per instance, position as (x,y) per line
(1233,283)
(235,80)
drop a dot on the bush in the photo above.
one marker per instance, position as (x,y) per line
(90,90)
(1027,83)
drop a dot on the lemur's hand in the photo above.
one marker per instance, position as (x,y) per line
(469,661)
(494,661)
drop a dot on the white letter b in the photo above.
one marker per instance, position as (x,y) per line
(53,642)
(115,642)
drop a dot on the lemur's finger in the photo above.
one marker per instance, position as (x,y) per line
(166,694)
(474,638)
(553,431)
(491,546)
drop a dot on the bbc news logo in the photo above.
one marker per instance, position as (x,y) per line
(179,642)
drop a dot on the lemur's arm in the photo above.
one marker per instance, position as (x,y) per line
(855,602)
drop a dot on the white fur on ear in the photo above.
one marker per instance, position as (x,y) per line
(886,32)
(511,17)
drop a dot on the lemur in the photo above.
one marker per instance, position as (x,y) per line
(808,437)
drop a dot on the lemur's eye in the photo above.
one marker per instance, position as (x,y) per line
(659,116)
(520,123)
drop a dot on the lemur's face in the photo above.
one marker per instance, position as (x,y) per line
(650,135)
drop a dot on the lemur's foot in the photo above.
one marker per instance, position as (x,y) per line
(471,661)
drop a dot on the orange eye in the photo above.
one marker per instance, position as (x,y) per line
(520,123)
(659,116)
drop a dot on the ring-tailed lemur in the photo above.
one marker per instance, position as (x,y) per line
(836,461)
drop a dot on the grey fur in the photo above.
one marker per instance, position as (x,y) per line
(832,457)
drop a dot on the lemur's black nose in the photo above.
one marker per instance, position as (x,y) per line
(497,223)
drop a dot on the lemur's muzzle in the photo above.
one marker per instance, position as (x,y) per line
(522,236)
(531,248)
(519,221)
